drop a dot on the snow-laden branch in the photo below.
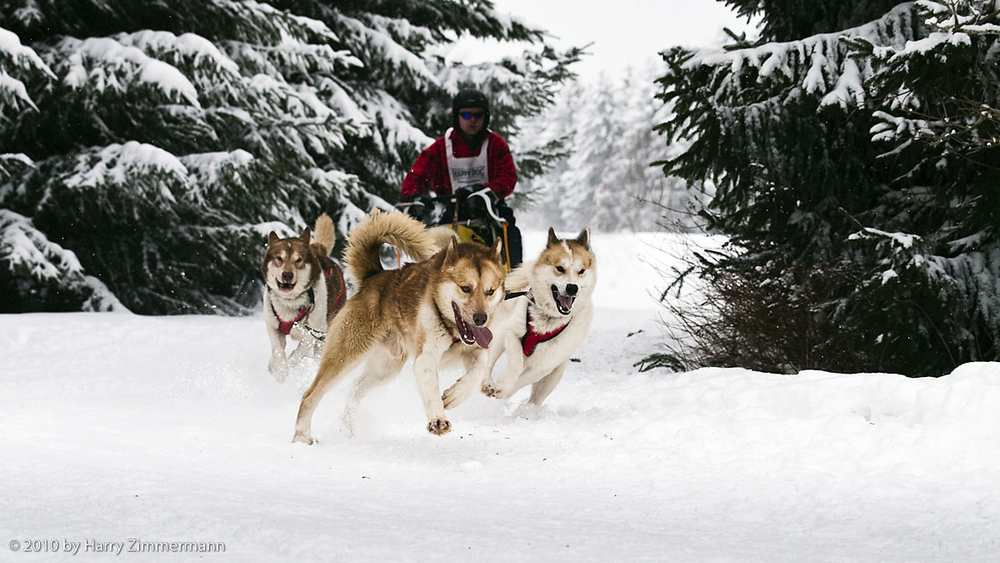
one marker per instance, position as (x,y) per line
(817,65)
(24,246)
(121,164)
(106,63)
(20,60)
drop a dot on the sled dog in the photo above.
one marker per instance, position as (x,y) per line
(543,324)
(437,310)
(442,235)
(304,289)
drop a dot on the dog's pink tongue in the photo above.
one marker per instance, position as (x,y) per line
(482,335)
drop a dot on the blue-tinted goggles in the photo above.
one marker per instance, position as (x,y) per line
(472,114)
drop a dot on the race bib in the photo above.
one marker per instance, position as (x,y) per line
(467,171)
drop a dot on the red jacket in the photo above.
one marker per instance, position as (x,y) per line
(430,171)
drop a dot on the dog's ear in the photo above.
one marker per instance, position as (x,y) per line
(497,247)
(451,251)
(553,239)
(306,232)
(272,238)
(584,238)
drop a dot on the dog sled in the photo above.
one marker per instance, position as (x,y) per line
(473,218)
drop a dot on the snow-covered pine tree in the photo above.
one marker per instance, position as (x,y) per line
(583,182)
(938,128)
(637,196)
(554,126)
(41,275)
(856,203)
(158,143)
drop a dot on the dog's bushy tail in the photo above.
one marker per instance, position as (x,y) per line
(378,228)
(325,234)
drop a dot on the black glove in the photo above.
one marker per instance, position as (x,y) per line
(505,211)
(479,206)
(416,209)
(462,194)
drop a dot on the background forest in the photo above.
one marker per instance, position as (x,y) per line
(847,151)
(148,148)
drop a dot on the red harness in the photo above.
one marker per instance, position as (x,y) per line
(531,339)
(286,326)
(343,286)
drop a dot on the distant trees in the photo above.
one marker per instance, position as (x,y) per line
(147,148)
(605,180)
(854,153)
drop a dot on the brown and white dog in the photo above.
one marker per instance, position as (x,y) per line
(437,310)
(541,325)
(304,290)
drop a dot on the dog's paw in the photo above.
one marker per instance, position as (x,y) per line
(278,368)
(439,426)
(456,394)
(303,439)
(491,390)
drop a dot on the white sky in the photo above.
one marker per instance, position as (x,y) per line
(625,32)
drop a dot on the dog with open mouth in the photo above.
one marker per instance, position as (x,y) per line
(438,310)
(304,289)
(545,318)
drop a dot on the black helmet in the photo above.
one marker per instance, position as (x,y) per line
(470,99)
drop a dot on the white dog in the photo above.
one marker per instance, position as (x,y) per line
(542,325)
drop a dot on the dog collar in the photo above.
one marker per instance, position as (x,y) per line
(531,339)
(444,323)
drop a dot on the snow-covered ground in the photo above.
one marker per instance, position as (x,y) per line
(116,427)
